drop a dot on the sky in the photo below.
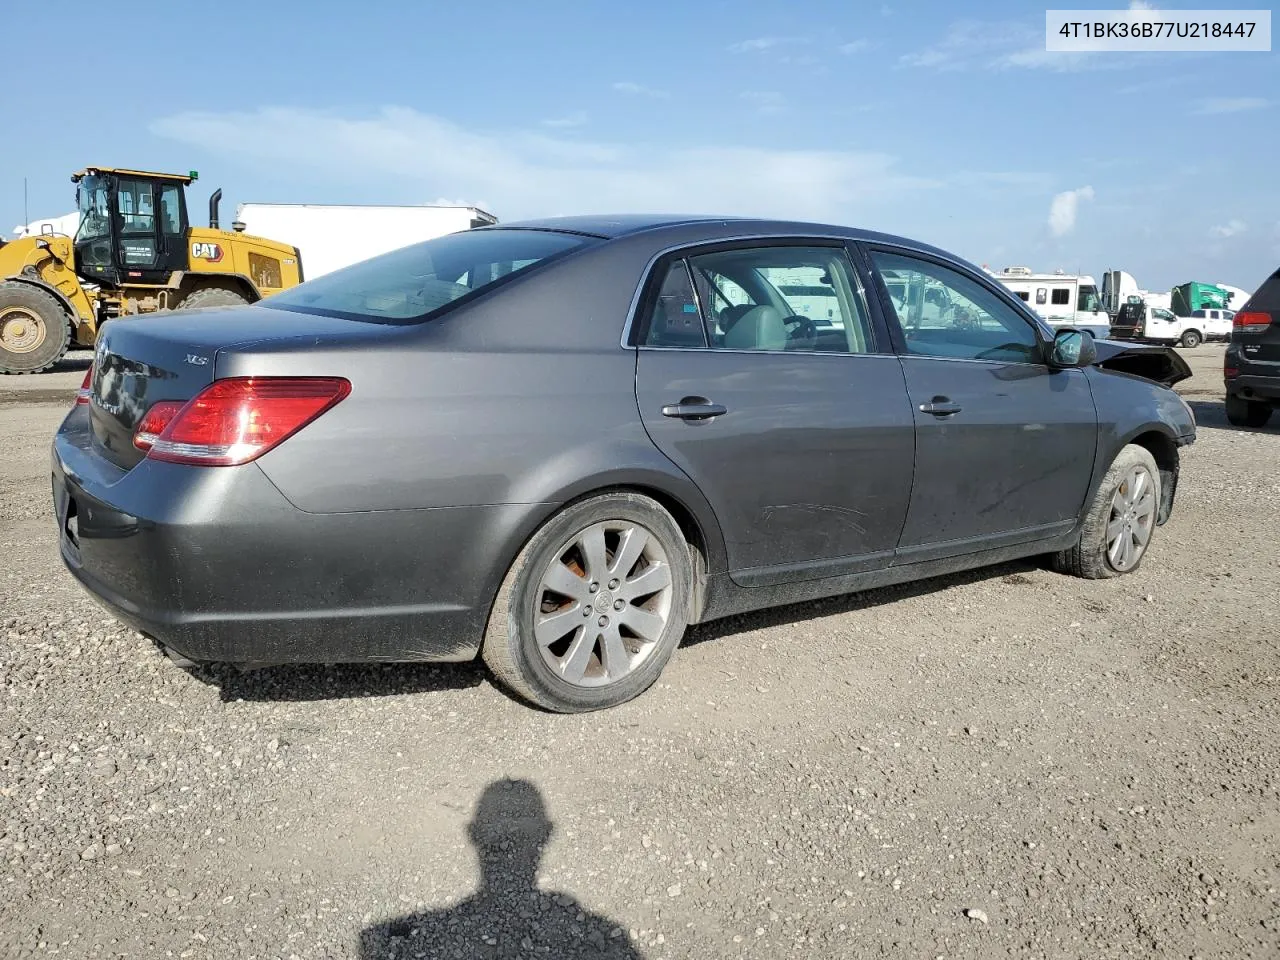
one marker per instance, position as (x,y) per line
(942,121)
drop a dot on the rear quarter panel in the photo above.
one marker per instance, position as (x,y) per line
(523,397)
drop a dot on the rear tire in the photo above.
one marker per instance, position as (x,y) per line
(1191,338)
(1247,413)
(1122,508)
(34,328)
(632,619)
(213,297)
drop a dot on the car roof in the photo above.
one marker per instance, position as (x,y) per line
(615,226)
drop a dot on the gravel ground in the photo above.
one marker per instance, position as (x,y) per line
(1008,762)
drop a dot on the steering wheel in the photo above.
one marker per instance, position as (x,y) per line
(802,328)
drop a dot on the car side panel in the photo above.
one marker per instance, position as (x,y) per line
(1016,457)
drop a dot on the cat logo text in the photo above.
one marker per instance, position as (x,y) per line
(212,252)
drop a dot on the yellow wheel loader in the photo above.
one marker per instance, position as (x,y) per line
(135,252)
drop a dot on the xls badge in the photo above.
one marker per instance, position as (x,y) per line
(206,251)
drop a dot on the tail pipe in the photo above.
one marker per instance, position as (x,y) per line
(214,199)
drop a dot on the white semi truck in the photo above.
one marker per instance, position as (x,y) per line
(332,236)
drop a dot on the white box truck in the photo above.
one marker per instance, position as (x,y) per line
(332,236)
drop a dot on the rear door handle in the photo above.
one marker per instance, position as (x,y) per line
(940,407)
(694,408)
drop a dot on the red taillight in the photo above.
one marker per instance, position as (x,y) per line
(237,420)
(1230,372)
(1254,321)
(86,387)
(153,424)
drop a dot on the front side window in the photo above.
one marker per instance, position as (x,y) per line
(782,298)
(418,282)
(944,313)
(1087,299)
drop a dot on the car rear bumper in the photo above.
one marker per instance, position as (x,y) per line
(216,565)
(1253,387)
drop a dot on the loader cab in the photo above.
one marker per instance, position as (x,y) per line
(133,226)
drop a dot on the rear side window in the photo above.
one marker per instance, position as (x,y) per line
(675,321)
(418,282)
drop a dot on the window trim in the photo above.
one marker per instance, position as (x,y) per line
(636,327)
(1043,334)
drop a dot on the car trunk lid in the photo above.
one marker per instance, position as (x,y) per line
(141,362)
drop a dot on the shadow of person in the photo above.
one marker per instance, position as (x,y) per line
(508,916)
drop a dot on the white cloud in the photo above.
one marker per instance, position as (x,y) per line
(1141,5)
(757,44)
(766,101)
(575,119)
(532,174)
(640,90)
(1229,229)
(1063,209)
(1210,105)
(854,46)
(1002,45)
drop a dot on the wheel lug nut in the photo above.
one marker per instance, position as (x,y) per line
(618,604)
(603,621)
(586,611)
(594,587)
(613,584)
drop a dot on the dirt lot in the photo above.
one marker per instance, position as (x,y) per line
(1010,762)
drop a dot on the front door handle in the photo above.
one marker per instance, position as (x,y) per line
(940,407)
(694,408)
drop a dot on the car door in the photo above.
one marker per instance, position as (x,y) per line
(759,373)
(1004,444)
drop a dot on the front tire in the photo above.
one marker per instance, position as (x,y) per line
(593,607)
(34,328)
(212,297)
(1191,338)
(1121,520)
(1247,413)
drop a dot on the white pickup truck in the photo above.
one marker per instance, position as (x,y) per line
(1164,327)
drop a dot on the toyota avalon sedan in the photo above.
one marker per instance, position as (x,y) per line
(556,444)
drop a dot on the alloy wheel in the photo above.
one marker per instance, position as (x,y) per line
(603,603)
(1133,517)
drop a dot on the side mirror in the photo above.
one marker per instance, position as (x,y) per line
(1072,348)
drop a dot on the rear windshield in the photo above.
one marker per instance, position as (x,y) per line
(418,282)
(1268,295)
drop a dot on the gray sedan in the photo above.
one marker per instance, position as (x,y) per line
(555,444)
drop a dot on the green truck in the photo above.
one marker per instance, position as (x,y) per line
(1190,297)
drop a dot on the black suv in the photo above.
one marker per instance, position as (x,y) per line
(1252,364)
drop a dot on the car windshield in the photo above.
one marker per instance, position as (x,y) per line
(95,208)
(418,282)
